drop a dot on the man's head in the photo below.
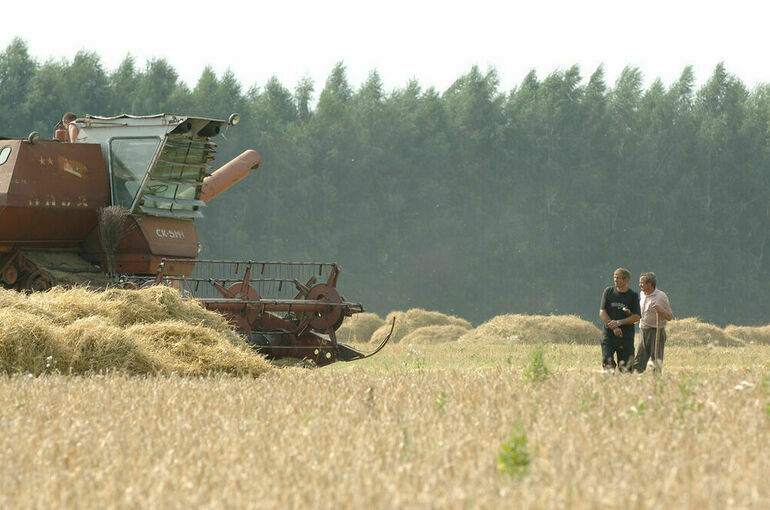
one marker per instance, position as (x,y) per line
(648,282)
(621,277)
(68,117)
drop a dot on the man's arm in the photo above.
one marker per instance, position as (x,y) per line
(663,307)
(603,307)
(73,132)
(632,319)
(605,316)
(612,324)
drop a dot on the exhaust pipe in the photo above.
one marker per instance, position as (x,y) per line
(229,174)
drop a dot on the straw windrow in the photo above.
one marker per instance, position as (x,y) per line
(691,331)
(528,329)
(150,331)
(415,318)
(359,328)
(435,334)
(759,335)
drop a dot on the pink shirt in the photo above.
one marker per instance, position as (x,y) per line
(648,314)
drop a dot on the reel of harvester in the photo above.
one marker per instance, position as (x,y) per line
(282,309)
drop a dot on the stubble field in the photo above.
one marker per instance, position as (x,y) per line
(432,426)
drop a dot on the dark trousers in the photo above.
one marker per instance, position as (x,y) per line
(623,348)
(647,348)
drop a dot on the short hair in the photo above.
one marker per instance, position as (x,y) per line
(649,277)
(69,117)
(625,273)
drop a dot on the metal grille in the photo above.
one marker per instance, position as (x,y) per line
(271,280)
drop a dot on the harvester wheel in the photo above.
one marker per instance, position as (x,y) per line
(246,292)
(10,275)
(330,318)
(38,280)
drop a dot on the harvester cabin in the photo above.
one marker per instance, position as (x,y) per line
(156,163)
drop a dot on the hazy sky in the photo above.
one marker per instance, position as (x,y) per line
(432,41)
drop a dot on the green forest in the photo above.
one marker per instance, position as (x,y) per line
(473,201)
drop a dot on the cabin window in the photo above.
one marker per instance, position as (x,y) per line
(130,160)
(4,153)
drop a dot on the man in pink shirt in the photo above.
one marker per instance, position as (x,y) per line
(656,312)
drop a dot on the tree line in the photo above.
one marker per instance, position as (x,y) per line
(474,201)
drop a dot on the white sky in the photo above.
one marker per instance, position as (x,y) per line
(433,41)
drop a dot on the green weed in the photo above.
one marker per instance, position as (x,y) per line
(686,400)
(536,369)
(514,457)
(441,401)
(406,445)
(414,358)
(589,402)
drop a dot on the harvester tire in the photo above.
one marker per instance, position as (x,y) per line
(10,275)
(38,280)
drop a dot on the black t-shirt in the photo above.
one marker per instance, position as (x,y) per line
(614,301)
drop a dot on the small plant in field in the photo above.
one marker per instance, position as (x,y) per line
(536,369)
(767,409)
(640,407)
(514,457)
(589,402)
(686,400)
(369,397)
(406,445)
(305,416)
(414,358)
(440,401)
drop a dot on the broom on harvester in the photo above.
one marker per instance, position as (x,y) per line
(112,228)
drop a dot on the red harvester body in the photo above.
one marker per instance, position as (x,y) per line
(120,206)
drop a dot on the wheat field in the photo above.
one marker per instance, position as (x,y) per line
(413,427)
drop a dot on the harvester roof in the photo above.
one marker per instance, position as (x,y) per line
(191,126)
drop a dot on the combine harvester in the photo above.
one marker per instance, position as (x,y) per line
(118,208)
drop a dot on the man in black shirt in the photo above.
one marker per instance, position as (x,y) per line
(620,311)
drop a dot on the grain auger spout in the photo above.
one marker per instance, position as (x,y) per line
(229,174)
(282,309)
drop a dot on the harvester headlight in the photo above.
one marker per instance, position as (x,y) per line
(33,137)
(234,119)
